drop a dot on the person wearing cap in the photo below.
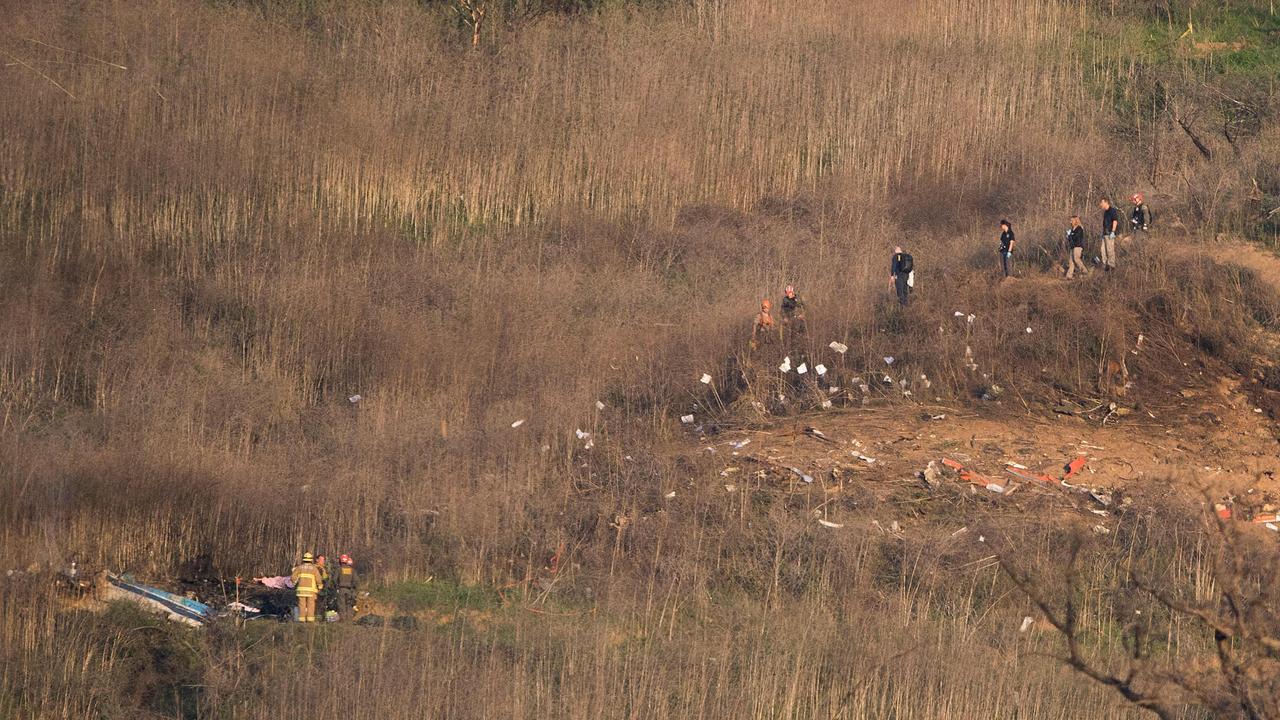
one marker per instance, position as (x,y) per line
(1075,248)
(1110,227)
(1007,242)
(764,328)
(307,585)
(1140,218)
(347,584)
(792,312)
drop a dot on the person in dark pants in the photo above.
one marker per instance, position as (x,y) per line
(347,585)
(900,273)
(1007,242)
(1140,219)
(1075,248)
(1110,227)
(793,325)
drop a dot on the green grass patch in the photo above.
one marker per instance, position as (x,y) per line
(413,596)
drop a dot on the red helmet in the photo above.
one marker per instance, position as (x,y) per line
(345,559)
(1137,197)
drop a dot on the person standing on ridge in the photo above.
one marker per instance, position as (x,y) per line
(1007,242)
(347,584)
(1140,219)
(900,269)
(1110,226)
(763,328)
(792,313)
(307,585)
(1075,248)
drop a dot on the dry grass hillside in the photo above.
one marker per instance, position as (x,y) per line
(221,222)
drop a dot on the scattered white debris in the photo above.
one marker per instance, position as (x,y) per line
(670,495)
(833,390)
(828,523)
(864,388)
(863,458)
(686,419)
(705,379)
(820,369)
(1027,622)
(599,405)
(1257,410)
(582,435)
(804,368)
(839,347)
(1101,530)
(1017,465)
(959,313)
(741,444)
(888,360)
(972,317)
(982,538)
(786,364)
(1028,329)
(895,527)
(517,423)
(355,399)
(999,489)
(1271,526)
(628,458)
(888,380)
(731,488)
(826,404)
(940,416)
(806,478)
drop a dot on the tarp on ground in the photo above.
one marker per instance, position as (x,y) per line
(173,606)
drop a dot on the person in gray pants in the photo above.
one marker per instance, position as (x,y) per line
(1110,227)
(1075,248)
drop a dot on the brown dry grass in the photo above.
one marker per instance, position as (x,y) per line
(207,250)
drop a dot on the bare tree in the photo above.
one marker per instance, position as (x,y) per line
(1239,678)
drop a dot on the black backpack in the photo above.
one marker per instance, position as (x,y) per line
(905,263)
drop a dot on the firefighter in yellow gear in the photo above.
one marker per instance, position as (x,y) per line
(307,583)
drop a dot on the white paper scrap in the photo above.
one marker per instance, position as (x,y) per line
(828,523)
(517,423)
(804,368)
(705,379)
(686,419)
(820,369)
(839,347)
(354,399)
(599,405)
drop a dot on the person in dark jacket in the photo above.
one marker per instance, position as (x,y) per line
(1110,228)
(1140,218)
(347,585)
(793,324)
(1007,243)
(900,269)
(1075,248)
